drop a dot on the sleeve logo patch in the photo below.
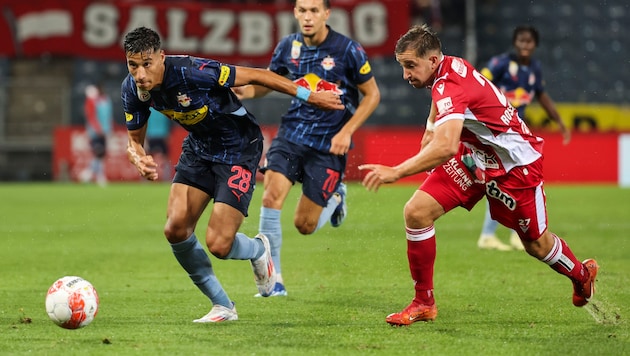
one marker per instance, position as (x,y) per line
(225,74)
(365,69)
(128,117)
(444,105)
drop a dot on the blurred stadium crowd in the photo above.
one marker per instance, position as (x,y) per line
(583,50)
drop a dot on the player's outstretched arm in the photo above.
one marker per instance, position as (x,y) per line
(340,143)
(326,100)
(442,147)
(250,91)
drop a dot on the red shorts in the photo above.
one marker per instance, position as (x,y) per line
(517,200)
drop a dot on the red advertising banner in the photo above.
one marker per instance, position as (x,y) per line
(588,158)
(227,32)
(72,154)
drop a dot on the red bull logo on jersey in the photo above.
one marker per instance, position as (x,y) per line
(316,84)
(519,97)
(328,63)
(183,100)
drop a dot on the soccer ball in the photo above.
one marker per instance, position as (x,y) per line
(71,302)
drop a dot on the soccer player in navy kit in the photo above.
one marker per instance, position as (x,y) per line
(474,126)
(312,144)
(219,156)
(519,75)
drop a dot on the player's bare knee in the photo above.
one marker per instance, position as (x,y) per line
(271,201)
(416,216)
(176,232)
(218,250)
(304,226)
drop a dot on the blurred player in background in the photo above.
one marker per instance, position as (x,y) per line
(312,145)
(99,121)
(479,147)
(519,76)
(158,132)
(219,156)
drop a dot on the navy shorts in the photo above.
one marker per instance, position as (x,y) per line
(230,184)
(320,173)
(99,146)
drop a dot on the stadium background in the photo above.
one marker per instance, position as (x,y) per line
(50,50)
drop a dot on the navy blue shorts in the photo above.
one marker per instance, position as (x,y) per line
(99,146)
(230,184)
(320,173)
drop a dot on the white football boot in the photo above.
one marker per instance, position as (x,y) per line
(491,242)
(264,271)
(218,314)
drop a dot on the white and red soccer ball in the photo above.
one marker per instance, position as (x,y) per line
(72,302)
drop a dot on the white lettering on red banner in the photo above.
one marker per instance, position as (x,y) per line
(225,32)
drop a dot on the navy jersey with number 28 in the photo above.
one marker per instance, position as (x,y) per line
(196,94)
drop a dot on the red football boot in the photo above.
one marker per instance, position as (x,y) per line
(412,313)
(582,292)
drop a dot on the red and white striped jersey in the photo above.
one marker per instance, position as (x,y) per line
(499,138)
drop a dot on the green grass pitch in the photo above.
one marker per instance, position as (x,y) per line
(341,282)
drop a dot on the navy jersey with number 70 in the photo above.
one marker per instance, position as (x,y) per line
(338,64)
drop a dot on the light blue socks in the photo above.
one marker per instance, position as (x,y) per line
(271,227)
(194,259)
(329,209)
(244,248)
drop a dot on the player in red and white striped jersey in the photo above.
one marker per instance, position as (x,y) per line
(479,147)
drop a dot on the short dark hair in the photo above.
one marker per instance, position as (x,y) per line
(421,39)
(326,4)
(142,39)
(526,28)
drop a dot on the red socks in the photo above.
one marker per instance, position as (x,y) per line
(421,250)
(562,260)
